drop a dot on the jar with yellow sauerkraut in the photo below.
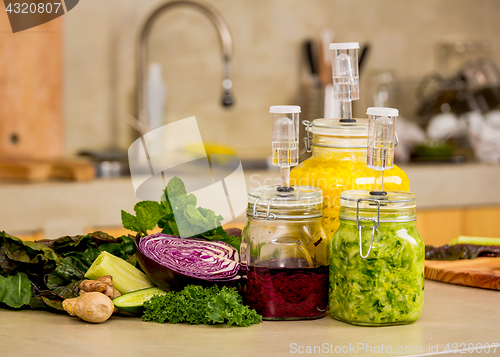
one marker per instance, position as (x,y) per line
(338,163)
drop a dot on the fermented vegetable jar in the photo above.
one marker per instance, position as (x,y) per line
(377,260)
(338,163)
(284,252)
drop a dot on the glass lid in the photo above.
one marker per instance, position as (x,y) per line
(300,196)
(338,127)
(391,199)
(267,202)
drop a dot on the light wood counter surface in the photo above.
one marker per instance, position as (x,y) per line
(452,315)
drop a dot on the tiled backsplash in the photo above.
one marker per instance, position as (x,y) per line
(100,38)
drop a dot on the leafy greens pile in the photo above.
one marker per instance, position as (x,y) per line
(177,212)
(198,305)
(42,274)
(461,251)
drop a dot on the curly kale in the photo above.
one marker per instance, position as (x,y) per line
(198,305)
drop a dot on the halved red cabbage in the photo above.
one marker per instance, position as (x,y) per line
(173,262)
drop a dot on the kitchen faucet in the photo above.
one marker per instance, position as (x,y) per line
(142,53)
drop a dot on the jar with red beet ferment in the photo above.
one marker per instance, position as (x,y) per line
(284,251)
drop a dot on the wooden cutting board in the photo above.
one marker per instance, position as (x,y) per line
(480,272)
(36,170)
(31,83)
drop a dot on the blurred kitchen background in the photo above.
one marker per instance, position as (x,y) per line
(69,91)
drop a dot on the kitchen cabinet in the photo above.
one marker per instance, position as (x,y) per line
(482,222)
(31,85)
(439,226)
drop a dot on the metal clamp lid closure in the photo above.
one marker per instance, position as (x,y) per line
(360,227)
(307,138)
(268,216)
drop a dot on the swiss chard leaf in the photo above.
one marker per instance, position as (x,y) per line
(65,273)
(47,299)
(80,243)
(6,266)
(461,251)
(32,258)
(27,254)
(69,291)
(15,290)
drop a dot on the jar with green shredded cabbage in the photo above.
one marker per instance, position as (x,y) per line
(381,282)
(338,163)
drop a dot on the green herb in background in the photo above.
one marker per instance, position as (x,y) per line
(187,218)
(147,215)
(198,305)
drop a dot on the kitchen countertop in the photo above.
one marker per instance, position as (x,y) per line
(69,208)
(452,315)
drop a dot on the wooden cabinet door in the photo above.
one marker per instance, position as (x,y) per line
(31,123)
(439,226)
(482,222)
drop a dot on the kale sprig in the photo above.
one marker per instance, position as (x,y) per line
(198,305)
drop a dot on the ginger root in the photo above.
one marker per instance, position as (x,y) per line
(106,279)
(93,307)
(69,306)
(116,293)
(101,286)
(92,286)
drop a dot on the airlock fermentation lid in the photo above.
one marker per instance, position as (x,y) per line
(344,46)
(266,202)
(396,206)
(382,111)
(284,109)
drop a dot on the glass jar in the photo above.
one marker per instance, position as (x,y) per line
(284,251)
(338,163)
(377,260)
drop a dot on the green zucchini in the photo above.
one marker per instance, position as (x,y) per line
(133,301)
